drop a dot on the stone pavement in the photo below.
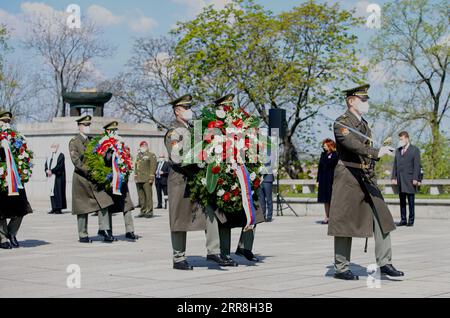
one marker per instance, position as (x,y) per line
(296,261)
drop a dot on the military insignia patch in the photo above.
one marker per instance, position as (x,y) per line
(345,131)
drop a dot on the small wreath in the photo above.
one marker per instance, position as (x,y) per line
(96,152)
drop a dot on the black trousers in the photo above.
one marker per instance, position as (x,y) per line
(410,197)
(160,188)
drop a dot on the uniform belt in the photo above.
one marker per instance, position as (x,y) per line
(354,165)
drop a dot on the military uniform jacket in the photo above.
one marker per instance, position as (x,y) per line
(355,190)
(86,198)
(145,167)
(184,214)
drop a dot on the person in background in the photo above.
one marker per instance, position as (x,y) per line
(406,174)
(144,176)
(325,175)
(265,196)
(162,173)
(55,170)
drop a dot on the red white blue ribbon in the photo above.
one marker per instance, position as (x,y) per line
(246,193)
(12,178)
(117,176)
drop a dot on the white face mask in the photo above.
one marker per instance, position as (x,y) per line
(187,115)
(362,107)
(402,143)
(86,129)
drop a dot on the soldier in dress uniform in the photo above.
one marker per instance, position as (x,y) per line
(86,197)
(11,207)
(227,222)
(144,176)
(357,205)
(122,203)
(185,215)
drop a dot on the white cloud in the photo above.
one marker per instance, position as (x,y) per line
(17,23)
(12,22)
(194,7)
(38,8)
(102,16)
(142,24)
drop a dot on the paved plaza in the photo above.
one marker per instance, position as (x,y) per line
(296,261)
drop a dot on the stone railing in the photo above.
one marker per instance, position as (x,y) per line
(309,186)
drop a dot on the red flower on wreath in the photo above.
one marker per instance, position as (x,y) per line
(238,123)
(216,124)
(226,197)
(257,183)
(215,169)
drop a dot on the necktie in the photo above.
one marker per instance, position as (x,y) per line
(158,172)
(403,151)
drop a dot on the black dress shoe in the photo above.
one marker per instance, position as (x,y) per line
(218,259)
(183,266)
(402,223)
(131,236)
(85,240)
(247,254)
(57,212)
(103,232)
(51,212)
(228,261)
(5,246)
(13,241)
(390,270)
(159,207)
(410,224)
(348,275)
(107,236)
(215,258)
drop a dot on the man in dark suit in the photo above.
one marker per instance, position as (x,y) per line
(162,172)
(406,175)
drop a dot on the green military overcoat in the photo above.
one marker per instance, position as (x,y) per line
(184,214)
(86,198)
(355,195)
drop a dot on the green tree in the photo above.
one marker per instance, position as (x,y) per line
(436,162)
(291,60)
(412,46)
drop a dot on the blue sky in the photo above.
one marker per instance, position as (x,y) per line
(124,21)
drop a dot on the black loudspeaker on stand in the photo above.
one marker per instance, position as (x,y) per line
(277,120)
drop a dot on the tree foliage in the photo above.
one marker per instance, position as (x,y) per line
(295,60)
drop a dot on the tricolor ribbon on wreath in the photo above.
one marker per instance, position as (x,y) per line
(13,178)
